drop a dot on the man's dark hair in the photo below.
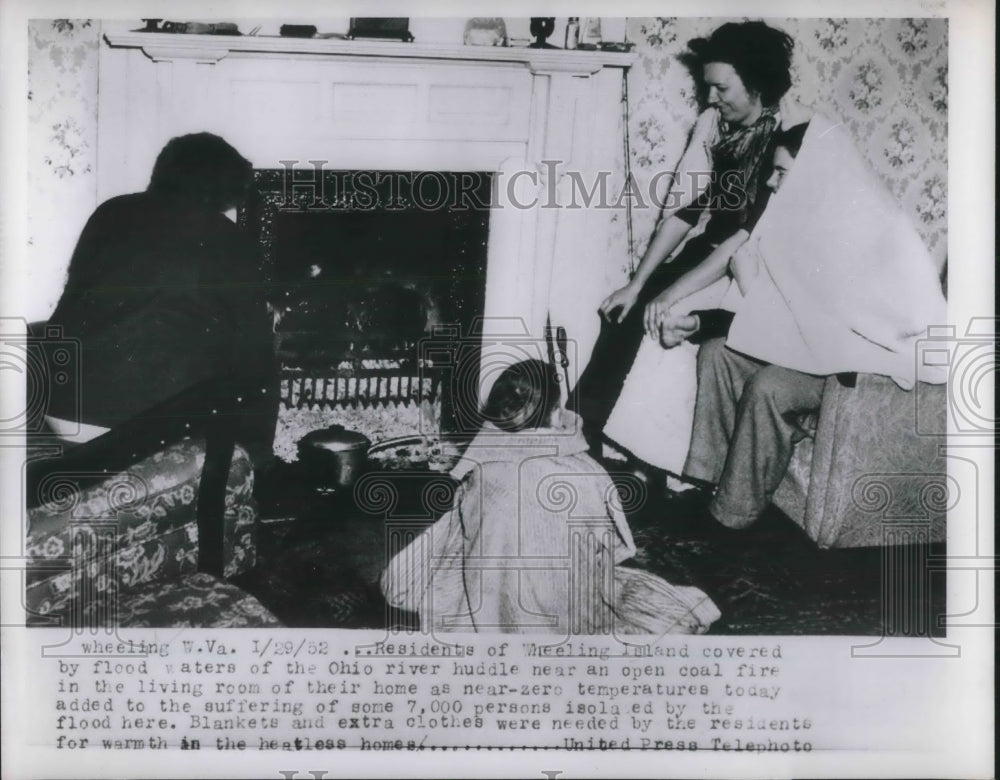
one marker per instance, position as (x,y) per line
(524,396)
(760,55)
(201,170)
(791,139)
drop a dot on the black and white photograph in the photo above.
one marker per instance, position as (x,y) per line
(607,392)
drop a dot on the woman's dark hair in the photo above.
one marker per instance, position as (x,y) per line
(201,170)
(760,55)
(791,139)
(524,396)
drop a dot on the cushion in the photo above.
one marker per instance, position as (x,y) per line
(133,528)
(196,601)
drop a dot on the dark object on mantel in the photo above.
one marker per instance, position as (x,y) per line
(191,28)
(297,30)
(541,28)
(383,27)
(616,46)
(333,458)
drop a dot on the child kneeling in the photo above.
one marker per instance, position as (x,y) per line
(535,534)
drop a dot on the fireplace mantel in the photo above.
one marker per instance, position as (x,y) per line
(378,105)
(165,47)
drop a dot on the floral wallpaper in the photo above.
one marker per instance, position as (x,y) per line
(62,150)
(887,79)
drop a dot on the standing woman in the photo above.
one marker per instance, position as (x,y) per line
(744,70)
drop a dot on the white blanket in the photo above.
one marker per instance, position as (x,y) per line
(844,281)
(531,545)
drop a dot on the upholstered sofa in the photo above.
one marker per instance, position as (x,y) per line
(872,471)
(124,549)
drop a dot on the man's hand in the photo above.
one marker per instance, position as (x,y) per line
(656,310)
(677,328)
(623,299)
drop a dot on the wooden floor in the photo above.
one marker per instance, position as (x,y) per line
(319,558)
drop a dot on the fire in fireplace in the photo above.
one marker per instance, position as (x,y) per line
(362,266)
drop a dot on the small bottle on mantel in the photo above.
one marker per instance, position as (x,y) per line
(573,32)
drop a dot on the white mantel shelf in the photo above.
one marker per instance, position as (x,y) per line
(213,48)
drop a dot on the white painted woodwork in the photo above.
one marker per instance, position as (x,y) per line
(396,106)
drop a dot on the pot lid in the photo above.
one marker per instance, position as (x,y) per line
(335,438)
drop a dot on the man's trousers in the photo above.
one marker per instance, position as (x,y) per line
(746,424)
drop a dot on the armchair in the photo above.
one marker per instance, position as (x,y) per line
(869,475)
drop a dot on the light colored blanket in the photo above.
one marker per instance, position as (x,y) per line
(532,545)
(655,411)
(844,281)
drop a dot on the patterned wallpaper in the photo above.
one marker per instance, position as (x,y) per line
(62,150)
(887,79)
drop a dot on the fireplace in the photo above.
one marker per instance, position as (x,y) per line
(365,268)
(394,108)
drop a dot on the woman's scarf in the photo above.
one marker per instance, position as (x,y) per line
(743,149)
(844,282)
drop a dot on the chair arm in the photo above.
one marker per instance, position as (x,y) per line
(873,462)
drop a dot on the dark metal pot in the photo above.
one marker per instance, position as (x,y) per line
(333,458)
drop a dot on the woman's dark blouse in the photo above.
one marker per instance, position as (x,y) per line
(731,202)
(161,297)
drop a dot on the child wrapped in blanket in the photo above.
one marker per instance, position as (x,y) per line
(535,536)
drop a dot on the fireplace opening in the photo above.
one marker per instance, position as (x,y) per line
(366,269)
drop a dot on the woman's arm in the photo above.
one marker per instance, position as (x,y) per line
(689,182)
(670,234)
(693,175)
(698,278)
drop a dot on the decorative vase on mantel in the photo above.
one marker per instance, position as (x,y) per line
(485,31)
(542,27)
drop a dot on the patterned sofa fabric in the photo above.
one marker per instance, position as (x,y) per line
(194,601)
(133,528)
